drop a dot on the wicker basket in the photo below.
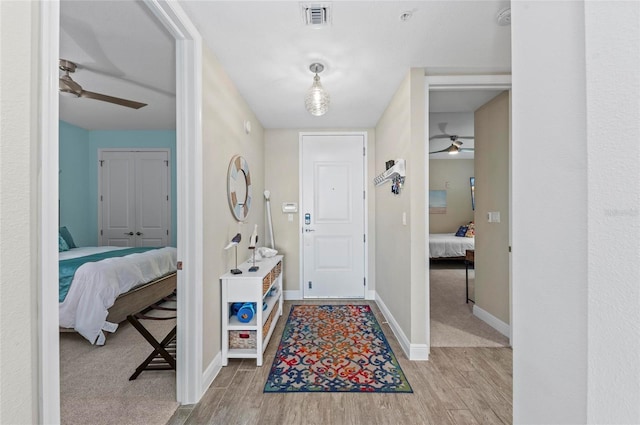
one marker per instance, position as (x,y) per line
(278,268)
(267,324)
(266,283)
(242,339)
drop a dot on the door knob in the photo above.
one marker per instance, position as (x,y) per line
(309,230)
(129,234)
(139,233)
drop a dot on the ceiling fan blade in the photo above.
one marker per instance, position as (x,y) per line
(111,99)
(443,150)
(466,150)
(465,137)
(440,136)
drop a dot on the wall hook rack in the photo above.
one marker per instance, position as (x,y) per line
(397,171)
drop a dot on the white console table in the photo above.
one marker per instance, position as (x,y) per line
(264,285)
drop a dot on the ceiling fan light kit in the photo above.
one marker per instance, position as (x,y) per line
(317,99)
(68,87)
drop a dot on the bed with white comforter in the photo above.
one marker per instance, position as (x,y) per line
(448,245)
(96,285)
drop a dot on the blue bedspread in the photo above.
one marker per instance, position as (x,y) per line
(67,268)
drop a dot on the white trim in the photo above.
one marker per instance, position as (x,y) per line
(468,82)
(492,321)
(370,294)
(292,295)
(412,351)
(189,196)
(365,204)
(49,341)
(211,372)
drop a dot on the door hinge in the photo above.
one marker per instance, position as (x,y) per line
(167,197)
(509,248)
(310,285)
(364,151)
(166,162)
(100,232)
(167,231)
(100,198)
(101,161)
(364,194)
(364,238)
(365,281)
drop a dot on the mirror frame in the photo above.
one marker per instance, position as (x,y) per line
(239,209)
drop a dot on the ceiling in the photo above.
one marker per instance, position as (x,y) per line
(266,49)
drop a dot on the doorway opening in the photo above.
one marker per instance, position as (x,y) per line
(450,105)
(189,201)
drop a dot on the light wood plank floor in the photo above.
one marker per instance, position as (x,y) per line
(456,386)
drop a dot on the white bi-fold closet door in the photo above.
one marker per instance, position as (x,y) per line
(134,198)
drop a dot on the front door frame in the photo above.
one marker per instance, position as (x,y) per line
(365,212)
(189,203)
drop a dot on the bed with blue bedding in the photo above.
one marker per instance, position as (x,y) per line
(101,286)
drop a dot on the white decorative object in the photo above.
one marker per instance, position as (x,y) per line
(398,170)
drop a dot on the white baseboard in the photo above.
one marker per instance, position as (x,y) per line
(412,351)
(292,295)
(370,295)
(492,321)
(211,372)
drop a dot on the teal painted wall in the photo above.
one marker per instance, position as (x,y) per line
(74,192)
(86,170)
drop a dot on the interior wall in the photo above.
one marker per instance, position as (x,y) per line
(19,234)
(223,115)
(282,156)
(549,196)
(613,132)
(453,176)
(73,188)
(492,194)
(400,248)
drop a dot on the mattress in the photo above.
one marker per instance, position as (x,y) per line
(96,285)
(448,245)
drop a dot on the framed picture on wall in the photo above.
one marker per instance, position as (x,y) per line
(472,181)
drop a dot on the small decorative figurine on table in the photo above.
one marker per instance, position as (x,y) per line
(234,242)
(252,246)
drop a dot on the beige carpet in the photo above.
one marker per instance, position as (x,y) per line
(94,381)
(452,321)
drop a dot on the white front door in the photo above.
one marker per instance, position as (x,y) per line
(134,198)
(332,216)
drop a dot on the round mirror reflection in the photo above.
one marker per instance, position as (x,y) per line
(239,188)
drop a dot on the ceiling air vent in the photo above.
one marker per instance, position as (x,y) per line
(316,14)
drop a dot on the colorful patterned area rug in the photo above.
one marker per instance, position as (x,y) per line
(335,348)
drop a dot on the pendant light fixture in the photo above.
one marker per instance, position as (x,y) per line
(317,99)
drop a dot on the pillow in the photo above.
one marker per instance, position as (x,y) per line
(62,244)
(67,237)
(462,230)
(471,231)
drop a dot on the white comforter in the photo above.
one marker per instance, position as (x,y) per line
(96,286)
(443,245)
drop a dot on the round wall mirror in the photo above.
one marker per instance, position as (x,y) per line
(239,187)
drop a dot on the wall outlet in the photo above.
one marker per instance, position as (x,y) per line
(493,216)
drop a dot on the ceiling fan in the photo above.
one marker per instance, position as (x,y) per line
(455,144)
(68,86)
